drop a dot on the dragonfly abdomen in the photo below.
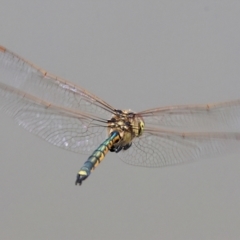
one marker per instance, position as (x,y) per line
(96,157)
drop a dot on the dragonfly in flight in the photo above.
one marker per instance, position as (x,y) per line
(68,116)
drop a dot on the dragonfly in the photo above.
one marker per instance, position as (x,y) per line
(69,117)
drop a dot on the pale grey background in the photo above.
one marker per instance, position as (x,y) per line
(133,54)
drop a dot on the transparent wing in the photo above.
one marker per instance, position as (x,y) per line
(179,134)
(54,109)
(23,75)
(162,148)
(196,118)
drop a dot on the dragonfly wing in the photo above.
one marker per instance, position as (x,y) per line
(158,149)
(23,75)
(223,117)
(60,126)
(56,110)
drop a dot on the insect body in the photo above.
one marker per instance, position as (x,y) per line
(123,127)
(71,118)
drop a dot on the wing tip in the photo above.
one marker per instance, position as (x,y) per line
(2,49)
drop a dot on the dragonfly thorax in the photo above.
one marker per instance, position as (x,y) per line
(127,124)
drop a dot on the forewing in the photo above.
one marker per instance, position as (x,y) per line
(23,75)
(220,117)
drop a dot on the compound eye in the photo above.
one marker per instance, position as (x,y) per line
(141,127)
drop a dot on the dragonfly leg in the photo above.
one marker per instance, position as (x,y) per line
(116,149)
(119,148)
(127,146)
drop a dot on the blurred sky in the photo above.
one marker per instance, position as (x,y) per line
(133,54)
